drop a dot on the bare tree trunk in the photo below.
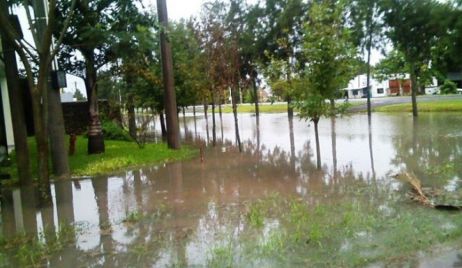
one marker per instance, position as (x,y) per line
(415,88)
(184,123)
(173,135)
(332,107)
(369,47)
(131,116)
(255,92)
(220,111)
(318,149)
(236,123)
(59,154)
(334,146)
(214,126)
(290,110)
(206,107)
(195,121)
(162,124)
(95,131)
(17,113)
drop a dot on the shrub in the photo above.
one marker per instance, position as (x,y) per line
(448,87)
(112,131)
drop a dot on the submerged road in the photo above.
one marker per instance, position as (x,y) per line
(378,102)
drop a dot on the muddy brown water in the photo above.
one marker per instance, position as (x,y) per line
(178,214)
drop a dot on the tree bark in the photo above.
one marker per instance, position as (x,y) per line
(131,116)
(415,88)
(173,132)
(206,107)
(95,131)
(214,125)
(195,123)
(255,92)
(290,110)
(162,124)
(17,112)
(369,47)
(236,123)
(59,154)
(318,149)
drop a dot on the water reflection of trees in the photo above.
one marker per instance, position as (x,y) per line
(183,206)
(430,146)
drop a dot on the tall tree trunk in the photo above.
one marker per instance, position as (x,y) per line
(173,132)
(369,47)
(255,92)
(220,112)
(334,145)
(184,123)
(292,143)
(371,152)
(195,121)
(332,107)
(131,116)
(415,88)
(56,131)
(95,131)
(162,124)
(290,110)
(59,154)
(17,112)
(214,126)
(206,107)
(236,123)
(318,149)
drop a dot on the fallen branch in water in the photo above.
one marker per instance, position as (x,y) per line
(420,195)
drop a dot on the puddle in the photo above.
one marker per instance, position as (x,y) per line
(267,206)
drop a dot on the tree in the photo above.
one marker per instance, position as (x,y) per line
(173,135)
(415,28)
(367,32)
(329,53)
(89,36)
(17,106)
(282,27)
(42,56)
(79,96)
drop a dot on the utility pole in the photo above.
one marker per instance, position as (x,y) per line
(173,131)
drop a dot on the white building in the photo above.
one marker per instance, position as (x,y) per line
(6,106)
(357,88)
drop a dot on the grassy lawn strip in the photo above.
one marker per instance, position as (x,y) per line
(272,108)
(267,108)
(440,106)
(119,155)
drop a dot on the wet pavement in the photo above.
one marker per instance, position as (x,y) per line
(242,209)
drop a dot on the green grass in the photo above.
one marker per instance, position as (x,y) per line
(273,108)
(440,106)
(119,155)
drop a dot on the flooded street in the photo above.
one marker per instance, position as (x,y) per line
(268,206)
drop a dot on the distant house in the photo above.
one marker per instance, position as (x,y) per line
(357,88)
(395,85)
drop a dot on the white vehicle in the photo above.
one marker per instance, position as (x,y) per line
(459,91)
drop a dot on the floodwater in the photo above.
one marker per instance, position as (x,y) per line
(240,209)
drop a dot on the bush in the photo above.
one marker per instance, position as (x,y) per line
(112,131)
(448,87)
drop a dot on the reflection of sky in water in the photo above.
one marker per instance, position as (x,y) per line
(202,196)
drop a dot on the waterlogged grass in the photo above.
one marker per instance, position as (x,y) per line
(343,233)
(119,155)
(440,106)
(24,250)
